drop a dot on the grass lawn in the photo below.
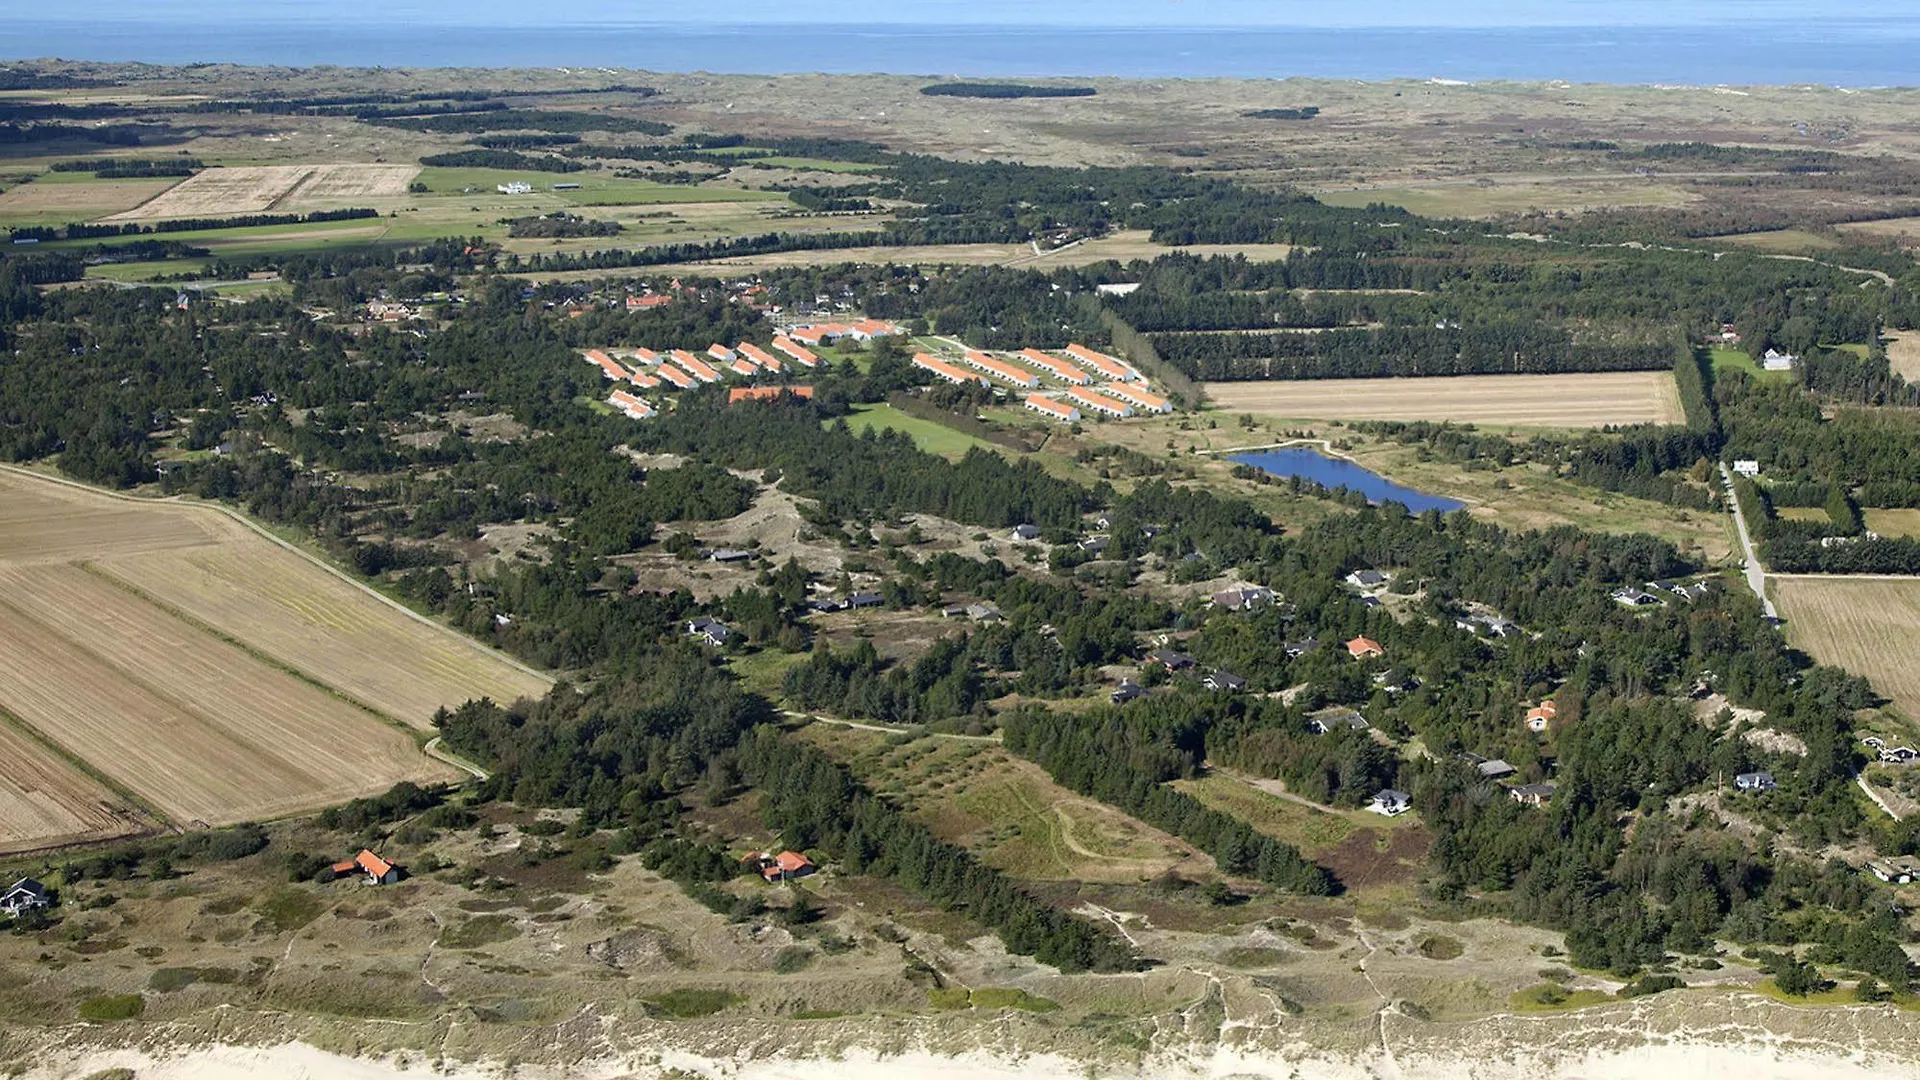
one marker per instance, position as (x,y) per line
(596,189)
(763,672)
(1728,358)
(145,271)
(1893,522)
(927,435)
(1305,828)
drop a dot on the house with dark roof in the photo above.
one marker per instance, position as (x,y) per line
(1024,533)
(1366,579)
(1755,781)
(1628,596)
(1172,661)
(1224,681)
(865,599)
(709,630)
(1126,691)
(23,896)
(1390,803)
(1494,770)
(1297,649)
(1532,794)
(1333,719)
(1245,598)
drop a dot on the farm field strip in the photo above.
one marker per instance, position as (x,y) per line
(1869,626)
(245,189)
(302,617)
(47,802)
(226,737)
(1576,400)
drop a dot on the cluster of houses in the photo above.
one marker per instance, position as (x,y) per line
(679,369)
(1657,593)
(1124,394)
(1890,755)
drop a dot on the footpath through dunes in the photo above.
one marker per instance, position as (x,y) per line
(1582,400)
(252,682)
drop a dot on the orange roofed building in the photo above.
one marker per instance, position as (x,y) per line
(1362,647)
(781,867)
(764,393)
(378,870)
(800,353)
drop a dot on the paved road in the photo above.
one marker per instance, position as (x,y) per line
(1756,574)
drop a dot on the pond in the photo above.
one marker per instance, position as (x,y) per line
(1310,464)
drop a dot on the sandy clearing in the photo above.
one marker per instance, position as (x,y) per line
(47,802)
(1580,400)
(229,190)
(1869,626)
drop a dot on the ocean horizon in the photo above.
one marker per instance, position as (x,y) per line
(1854,53)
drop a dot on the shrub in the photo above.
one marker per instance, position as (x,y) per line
(688,1004)
(1442,948)
(793,958)
(1651,984)
(167,980)
(479,930)
(110,1007)
(287,908)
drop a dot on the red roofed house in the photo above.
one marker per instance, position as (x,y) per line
(800,354)
(1148,401)
(1539,716)
(763,393)
(1046,406)
(781,867)
(675,376)
(721,353)
(1058,367)
(756,354)
(744,368)
(640,303)
(378,870)
(1362,647)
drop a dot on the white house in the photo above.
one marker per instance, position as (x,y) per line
(1746,467)
(516,188)
(1755,781)
(23,896)
(1778,361)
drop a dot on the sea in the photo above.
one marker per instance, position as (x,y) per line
(1880,51)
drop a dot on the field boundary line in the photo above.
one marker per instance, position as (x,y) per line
(108,578)
(260,530)
(86,768)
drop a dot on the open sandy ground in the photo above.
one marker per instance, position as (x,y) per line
(1580,400)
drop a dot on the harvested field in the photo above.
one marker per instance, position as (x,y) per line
(68,202)
(1123,246)
(253,189)
(1903,354)
(1869,626)
(250,682)
(47,802)
(1568,401)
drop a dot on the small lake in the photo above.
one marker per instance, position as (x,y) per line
(1310,464)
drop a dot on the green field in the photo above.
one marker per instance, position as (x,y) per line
(596,189)
(927,435)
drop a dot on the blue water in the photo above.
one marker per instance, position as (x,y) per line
(1881,51)
(1337,473)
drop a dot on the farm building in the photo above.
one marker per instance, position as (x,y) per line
(1149,402)
(378,870)
(1100,402)
(1046,406)
(1056,367)
(800,354)
(1016,376)
(765,393)
(1102,363)
(929,362)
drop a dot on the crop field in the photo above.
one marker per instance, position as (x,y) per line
(249,683)
(47,802)
(1535,401)
(252,189)
(1870,626)
(43,203)
(1903,354)
(1007,811)
(1893,522)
